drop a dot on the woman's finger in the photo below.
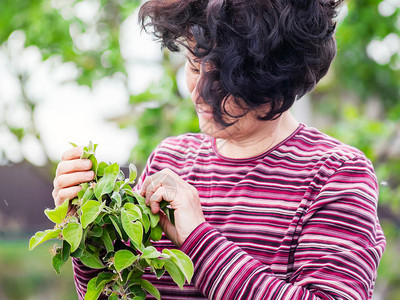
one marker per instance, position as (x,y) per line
(150,185)
(67,180)
(66,193)
(72,210)
(75,165)
(153,182)
(73,153)
(154,201)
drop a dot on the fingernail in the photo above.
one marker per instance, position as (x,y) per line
(88,163)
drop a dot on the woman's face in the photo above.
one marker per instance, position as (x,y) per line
(204,112)
(208,125)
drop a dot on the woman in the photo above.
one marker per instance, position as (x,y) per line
(265,207)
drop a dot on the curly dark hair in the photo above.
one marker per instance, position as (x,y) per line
(261,51)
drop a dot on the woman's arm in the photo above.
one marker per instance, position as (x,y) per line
(339,245)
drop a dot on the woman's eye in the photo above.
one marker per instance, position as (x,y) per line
(195,70)
(193,66)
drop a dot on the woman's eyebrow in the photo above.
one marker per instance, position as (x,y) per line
(190,61)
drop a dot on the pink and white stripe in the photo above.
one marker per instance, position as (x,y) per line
(296,222)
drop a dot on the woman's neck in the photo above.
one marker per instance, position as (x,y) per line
(261,137)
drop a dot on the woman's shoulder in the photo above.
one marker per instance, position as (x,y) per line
(184,144)
(324,155)
(314,150)
(312,142)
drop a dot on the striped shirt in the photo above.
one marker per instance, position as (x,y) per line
(296,222)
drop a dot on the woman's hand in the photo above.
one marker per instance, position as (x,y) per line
(71,172)
(183,198)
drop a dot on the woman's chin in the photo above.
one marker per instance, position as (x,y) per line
(209,127)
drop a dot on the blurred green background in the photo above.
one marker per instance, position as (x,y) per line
(357,102)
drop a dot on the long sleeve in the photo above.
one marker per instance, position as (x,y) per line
(336,247)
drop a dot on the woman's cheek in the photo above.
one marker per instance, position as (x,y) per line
(190,80)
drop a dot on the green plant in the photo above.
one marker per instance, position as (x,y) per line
(112,230)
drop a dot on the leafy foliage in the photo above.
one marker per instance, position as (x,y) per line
(357,71)
(113,230)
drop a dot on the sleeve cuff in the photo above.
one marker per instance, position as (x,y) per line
(198,235)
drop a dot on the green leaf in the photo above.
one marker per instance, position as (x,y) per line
(150,252)
(93,292)
(73,144)
(135,274)
(157,263)
(137,290)
(94,163)
(133,229)
(90,211)
(123,259)
(73,219)
(139,198)
(118,186)
(96,231)
(94,148)
(107,241)
(103,278)
(165,207)
(159,272)
(145,222)
(61,256)
(133,210)
(101,168)
(42,236)
(116,196)
(91,260)
(183,262)
(154,218)
(156,233)
(115,222)
(106,183)
(73,234)
(89,150)
(121,176)
(78,252)
(66,250)
(132,173)
(100,219)
(127,189)
(175,273)
(84,187)
(170,214)
(58,214)
(150,288)
(113,296)
(57,261)
(87,195)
